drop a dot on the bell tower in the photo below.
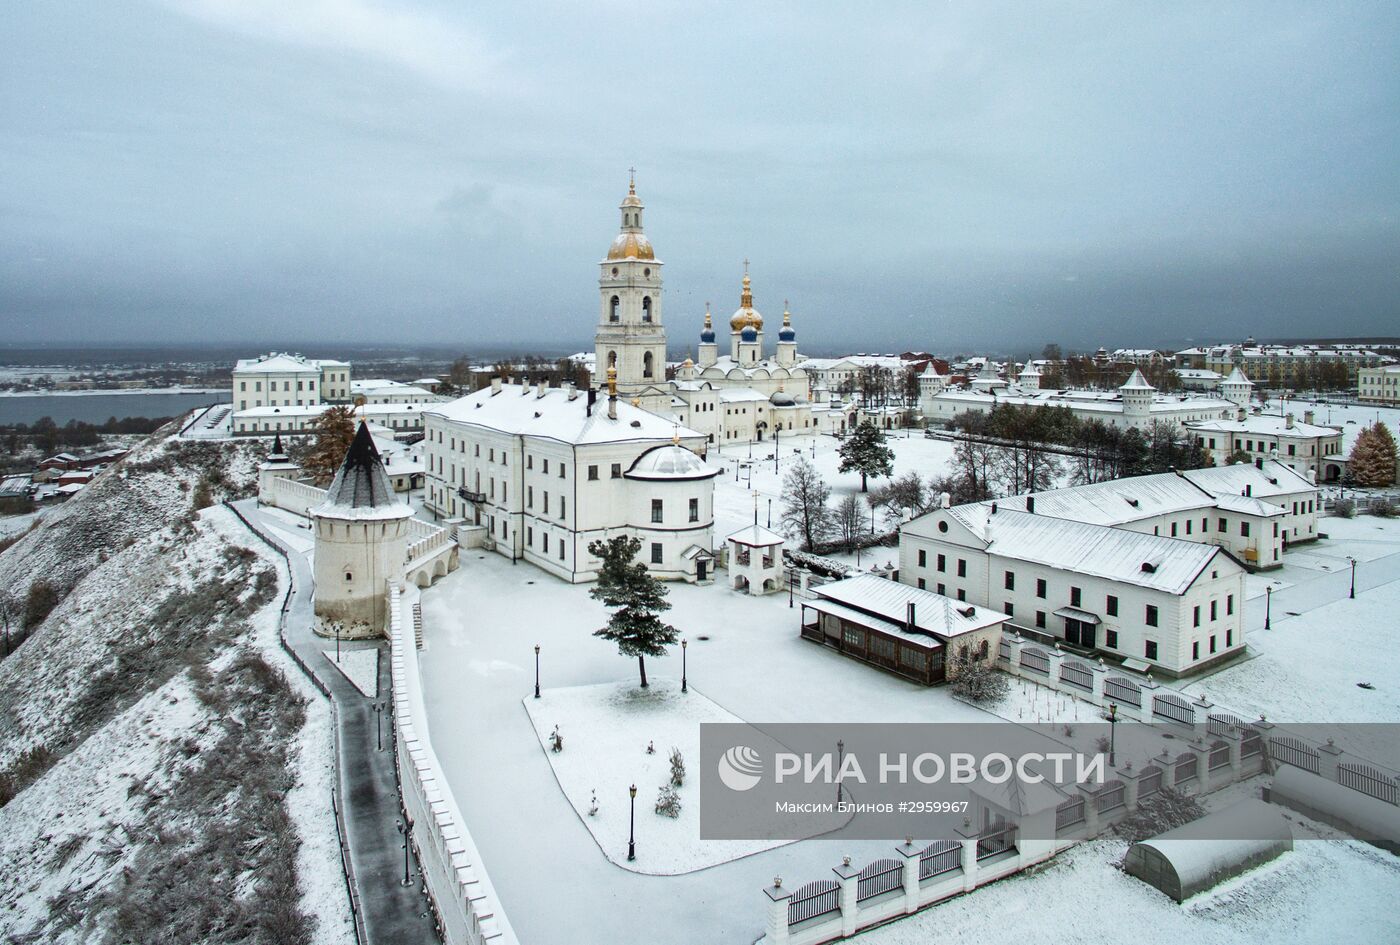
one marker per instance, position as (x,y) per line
(630,335)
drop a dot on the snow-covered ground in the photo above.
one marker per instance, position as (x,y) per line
(360,666)
(606,730)
(17,524)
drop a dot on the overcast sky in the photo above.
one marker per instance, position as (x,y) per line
(931,176)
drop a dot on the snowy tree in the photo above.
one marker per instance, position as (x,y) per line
(849,521)
(677,767)
(866,452)
(805,512)
(908,493)
(459,375)
(1373,457)
(977,680)
(637,600)
(334,429)
(668,801)
(1162,811)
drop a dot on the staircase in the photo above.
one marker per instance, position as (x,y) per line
(418,625)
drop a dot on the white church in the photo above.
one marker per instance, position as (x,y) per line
(741,396)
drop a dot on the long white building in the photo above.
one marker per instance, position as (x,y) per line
(1156,603)
(289,380)
(547,470)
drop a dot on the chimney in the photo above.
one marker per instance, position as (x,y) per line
(612,393)
(541,388)
(570,390)
(1240,415)
(1030,504)
(495,386)
(1308,416)
(994,508)
(1259,463)
(1288,422)
(1248,489)
(945,501)
(592,399)
(910,617)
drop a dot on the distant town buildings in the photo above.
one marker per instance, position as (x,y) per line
(1298,366)
(1379,385)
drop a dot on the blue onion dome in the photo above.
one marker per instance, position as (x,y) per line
(749,334)
(707,334)
(787,333)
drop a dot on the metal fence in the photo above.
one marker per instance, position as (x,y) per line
(1124,690)
(1150,782)
(879,877)
(1037,661)
(1219,756)
(1077,674)
(1173,709)
(1367,780)
(997,841)
(1186,767)
(818,898)
(1110,797)
(1070,813)
(1294,751)
(939,857)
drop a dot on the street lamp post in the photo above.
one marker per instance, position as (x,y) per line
(378,729)
(1112,731)
(404,829)
(537,670)
(337,642)
(632,826)
(777,437)
(1353,576)
(684,685)
(1268,605)
(840,759)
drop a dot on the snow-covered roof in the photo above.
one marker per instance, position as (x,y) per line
(1116,554)
(1265,479)
(1086,401)
(670,462)
(741,395)
(1248,505)
(1217,846)
(1238,377)
(1116,501)
(1266,425)
(284,364)
(557,414)
(756,536)
(890,600)
(1136,381)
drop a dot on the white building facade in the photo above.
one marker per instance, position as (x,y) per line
(289,380)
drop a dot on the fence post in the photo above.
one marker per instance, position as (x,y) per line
(1100,677)
(1329,759)
(910,855)
(1057,659)
(849,878)
(1129,777)
(1091,811)
(1202,749)
(777,928)
(1013,653)
(968,835)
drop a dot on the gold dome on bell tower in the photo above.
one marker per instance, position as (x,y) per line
(746,316)
(631,242)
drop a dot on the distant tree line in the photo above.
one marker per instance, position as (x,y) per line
(46,436)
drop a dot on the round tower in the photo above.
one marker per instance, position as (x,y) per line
(1237,388)
(361,543)
(787,340)
(1137,397)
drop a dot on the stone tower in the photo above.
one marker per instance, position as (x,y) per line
(631,336)
(1237,388)
(361,543)
(746,327)
(1137,397)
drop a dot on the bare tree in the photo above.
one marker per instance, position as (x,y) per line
(805,512)
(849,521)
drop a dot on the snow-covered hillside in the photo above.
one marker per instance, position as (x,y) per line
(163,766)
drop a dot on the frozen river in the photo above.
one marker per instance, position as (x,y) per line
(98,406)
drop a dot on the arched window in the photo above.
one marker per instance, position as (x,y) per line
(614,309)
(646,308)
(646,364)
(612,359)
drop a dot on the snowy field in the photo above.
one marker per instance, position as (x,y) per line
(360,666)
(606,730)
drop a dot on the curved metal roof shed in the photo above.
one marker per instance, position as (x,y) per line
(1206,852)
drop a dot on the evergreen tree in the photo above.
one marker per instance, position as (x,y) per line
(637,600)
(866,452)
(805,512)
(335,429)
(1373,457)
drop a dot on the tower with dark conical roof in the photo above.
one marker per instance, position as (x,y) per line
(361,543)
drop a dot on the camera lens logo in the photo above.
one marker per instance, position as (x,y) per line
(740,768)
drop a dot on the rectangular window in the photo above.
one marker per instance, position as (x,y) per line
(962,567)
(1212,643)
(656,510)
(1229,638)
(1151,617)
(656,552)
(923,558)
(563,471)
(1110,639)
(529,497)
(921,584)
(1213,605)
(1040,618)
(1221,526)
(1074,596)
(1040,588)
(1196,616)
(1007,609)
(1229,604)
(563,504)
(561,549)
(962,595)
(1111,606)
(1150,649)
(943,590)
(1173,529)
(530,461)
(1009,581)
(544,470)
(1244,529)
(592,473)
(942,563)
(617,470)
(1196,649)
(695,510)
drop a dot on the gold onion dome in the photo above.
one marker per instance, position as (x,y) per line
(631,246)
(747,316)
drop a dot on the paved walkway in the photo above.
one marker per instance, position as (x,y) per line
(391,913)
